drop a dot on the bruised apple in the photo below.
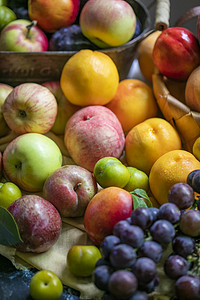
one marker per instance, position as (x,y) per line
(38,221)
(106,208)
(70,189)
(91,133)
(176,52)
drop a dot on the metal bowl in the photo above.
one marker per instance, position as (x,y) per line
(20,67)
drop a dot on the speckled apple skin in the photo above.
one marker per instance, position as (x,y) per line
(70,189)
(38,221)
(91,133)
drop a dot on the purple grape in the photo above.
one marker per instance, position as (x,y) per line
(175,266)
(119,227)
(151,249)
(154,212)
(162,231)
(108,243)
(188,288)
(102,261)
(142,217)
(190,223)
(183,245)
(122,256)
(123,284)
(196,182)
(144,269)
(101,276)
(169,212)
(133,236)
(190,177)
(182,195)
(139,295)
(150,286)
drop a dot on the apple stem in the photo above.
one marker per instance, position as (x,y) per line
(33,23)
(77,186)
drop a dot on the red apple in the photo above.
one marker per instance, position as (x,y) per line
(70,189)
(30,107)
(176,53)
(23,36)
(91,133)
(106,208)
(52,15)
(38,221)
(65,108)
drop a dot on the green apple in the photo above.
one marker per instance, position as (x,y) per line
(81,259)
(108,23)
(138,180)
(9,192)
(45,285)
(6,16)
(5,90)
(29,159)
(109,171)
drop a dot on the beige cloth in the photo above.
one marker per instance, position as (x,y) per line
(55,259)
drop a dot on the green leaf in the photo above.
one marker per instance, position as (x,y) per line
(9,232)
(140,198)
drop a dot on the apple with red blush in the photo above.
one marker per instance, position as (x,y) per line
(176,53)
(30,107)
(52,15)
(91,133)
(108,23)
(38,221)
(23,36)
(107,207)
(70,189)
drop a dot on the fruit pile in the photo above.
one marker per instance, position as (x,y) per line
(69,26)
(96,147)
(150,240)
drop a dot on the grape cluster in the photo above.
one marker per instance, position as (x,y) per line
(128,267)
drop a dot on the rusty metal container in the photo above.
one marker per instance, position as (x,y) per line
(19,67)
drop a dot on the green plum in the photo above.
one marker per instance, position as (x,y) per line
(9,192)
(81,259)
(138,179)
(45,285)
(109,171)
(7,15)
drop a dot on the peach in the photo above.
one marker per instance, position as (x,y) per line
(176,52)
(106,208)
(91,133)
(192,90)
(133,103)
